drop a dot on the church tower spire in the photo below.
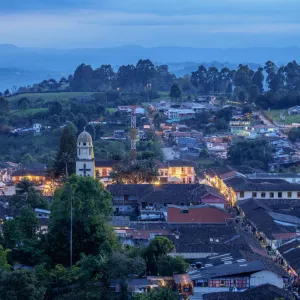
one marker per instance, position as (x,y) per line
(85,163)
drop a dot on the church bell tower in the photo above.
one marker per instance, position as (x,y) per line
(85,163)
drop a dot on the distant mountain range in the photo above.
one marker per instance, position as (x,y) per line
(21,66)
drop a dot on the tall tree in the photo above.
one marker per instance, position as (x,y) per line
(91,208)
(103,77)
(126,77)
(67,153)
(4,112)
(213,79)
(199,79)
(144,72)
(272,79)
(81,78)
(175,92)
(258,79)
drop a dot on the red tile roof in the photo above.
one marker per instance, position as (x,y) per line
(204,214)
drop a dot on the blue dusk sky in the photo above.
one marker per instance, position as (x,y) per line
(150,23)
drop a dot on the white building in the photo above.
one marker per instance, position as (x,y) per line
(37,127)
(181,114)
(85,163)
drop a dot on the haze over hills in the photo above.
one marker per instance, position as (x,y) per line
(22,66)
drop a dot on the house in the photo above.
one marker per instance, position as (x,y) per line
(261,292)
(42,213)
(127,197)
(290,254)
(267,189)
(177,171)
(35,172)
(103,168)
(5,172)
(289,177)
(151,201)
(242,275)
(240,128)
(199,214)
(270,225)
(196,241)
(37,128)
(181,114)
(295,110)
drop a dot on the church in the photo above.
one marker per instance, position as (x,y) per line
(86,165)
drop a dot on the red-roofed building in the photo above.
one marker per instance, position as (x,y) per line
(200,214)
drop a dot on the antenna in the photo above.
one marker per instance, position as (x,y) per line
(133,133)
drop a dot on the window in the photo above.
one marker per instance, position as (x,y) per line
(263,194)
(78,151)
(90,151)
(289,194)
(104,172)
(298,194)
(126,197)
(189,170)
(271,195)
(254,194)
(242,194)
(279,194)
(184,211)
(222,283)
(173,170)
(182,170)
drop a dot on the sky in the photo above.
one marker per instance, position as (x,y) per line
(150,23)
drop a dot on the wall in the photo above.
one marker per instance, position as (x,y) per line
(264,277)
(248,195)
(89,165)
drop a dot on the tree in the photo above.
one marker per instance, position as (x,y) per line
(163,293)
(144,72)
(272,79)
(6,93)
(203,153)
(168,265)
(121,266)
(4,265)
(157,248)
(21,284)
(175,92)
(91,233)
(126,77)
(55,108)
(294,134)
(102,78)
(23,104)
(4,112)
(67,153)
(253,93)
(258,79)
(28,223)
(81,79)
(199,79)
(81,122)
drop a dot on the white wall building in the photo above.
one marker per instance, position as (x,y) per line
(85,163)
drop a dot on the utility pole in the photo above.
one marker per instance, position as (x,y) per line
(133,134)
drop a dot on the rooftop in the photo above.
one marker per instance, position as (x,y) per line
(262,292)
(204,214)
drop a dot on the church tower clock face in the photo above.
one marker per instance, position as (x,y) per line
(84,151)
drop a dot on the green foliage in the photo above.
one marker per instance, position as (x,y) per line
(91,233)
(141,171)
(4,265)
(254,153)
(67,153)
(294,134)
(175,92)
(168,265)
(20,284)
(159,294)
(157,248)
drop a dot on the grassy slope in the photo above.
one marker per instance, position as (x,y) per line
(47,97)
(275,116)
(27,112)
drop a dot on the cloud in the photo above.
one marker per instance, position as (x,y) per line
(96,23)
